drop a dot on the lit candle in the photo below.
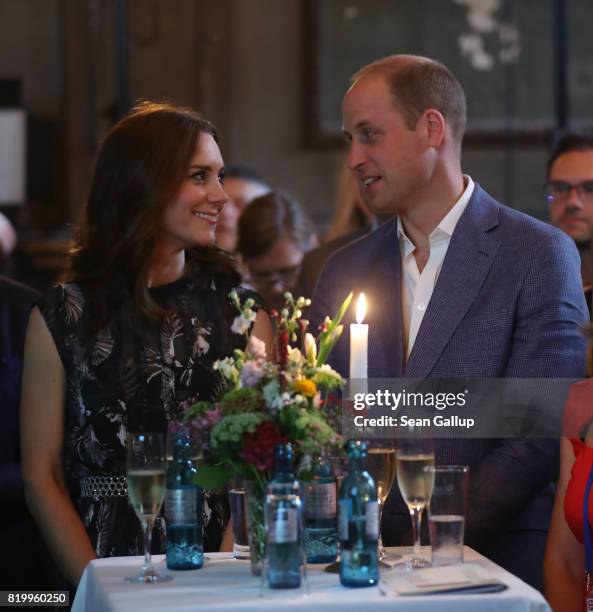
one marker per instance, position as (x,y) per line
(359,340)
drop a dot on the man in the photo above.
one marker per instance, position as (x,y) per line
(569,191)
(242,185)
(458,285)
(30,565)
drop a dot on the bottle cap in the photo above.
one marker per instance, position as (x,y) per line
(356,448)
(283,452)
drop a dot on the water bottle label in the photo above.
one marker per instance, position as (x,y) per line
(284,529)
(181,506)
(320,500)
(372,520)
(345,512)
(588,591)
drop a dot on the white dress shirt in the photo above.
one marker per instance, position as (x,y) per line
(417,287)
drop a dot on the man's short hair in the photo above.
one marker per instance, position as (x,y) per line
(570,141)
(419,83)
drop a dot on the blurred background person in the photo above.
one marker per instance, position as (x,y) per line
(242,185)
(570,196)
(274,235)
(351,217)
(29,566)
(8,239)
(131,335)
(569,190)
(564,562)
(351,220)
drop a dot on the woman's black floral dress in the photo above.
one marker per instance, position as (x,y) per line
(132,376)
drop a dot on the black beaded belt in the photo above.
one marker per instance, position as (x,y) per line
(103,486)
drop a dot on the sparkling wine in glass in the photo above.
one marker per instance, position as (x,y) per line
(381,465)
(415,479)
(146,465)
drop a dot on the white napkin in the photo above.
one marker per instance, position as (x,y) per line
(467,577)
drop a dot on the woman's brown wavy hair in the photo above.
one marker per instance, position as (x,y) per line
(140,167)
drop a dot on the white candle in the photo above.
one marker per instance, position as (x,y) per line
(359,340)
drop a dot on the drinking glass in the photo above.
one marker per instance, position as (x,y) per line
(238,506)
(381,465)
(415,479)
(446,513)
(146,466)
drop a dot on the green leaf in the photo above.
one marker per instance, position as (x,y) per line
(305,475)
(213,477)
(328,338)
(198,409)
(342,310)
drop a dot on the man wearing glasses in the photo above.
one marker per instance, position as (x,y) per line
(569,191)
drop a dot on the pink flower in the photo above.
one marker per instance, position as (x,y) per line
(256,348)
(208,419)
(201,428)
(251,373)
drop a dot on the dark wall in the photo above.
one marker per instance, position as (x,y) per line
(240,61)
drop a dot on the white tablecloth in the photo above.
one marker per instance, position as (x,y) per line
(227,584)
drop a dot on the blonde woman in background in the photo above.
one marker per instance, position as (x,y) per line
(351,220)
(351,215)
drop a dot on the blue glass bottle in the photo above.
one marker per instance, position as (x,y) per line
(183,508)
(358,522)
(321,516)
(283,523)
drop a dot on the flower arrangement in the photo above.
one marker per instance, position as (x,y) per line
(268,400)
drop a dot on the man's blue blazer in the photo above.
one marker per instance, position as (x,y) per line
(508,302)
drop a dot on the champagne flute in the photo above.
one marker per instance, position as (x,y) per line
(146,465)
(415,479)
(381,465)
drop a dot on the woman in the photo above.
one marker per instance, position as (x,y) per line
(274,234)
(351,220)
(132,335)
(351,216)
(242,185)
(564,563)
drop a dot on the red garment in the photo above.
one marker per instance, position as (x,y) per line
(577,416)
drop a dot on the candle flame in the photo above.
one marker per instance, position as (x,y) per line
(361,308)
